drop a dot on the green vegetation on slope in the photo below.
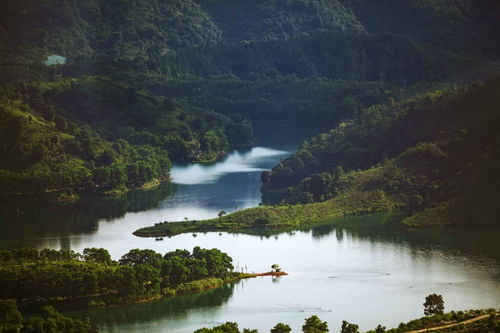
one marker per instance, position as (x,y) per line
(94,135)
(189,78)
(337,39)
(433,156)
(65,278)
(458,25)
(436,153)
(271,217)
(460,322)
(12,321)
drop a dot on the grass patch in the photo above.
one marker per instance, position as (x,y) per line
(285,216)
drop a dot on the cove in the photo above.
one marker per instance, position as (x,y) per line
(367,270)
(197,191)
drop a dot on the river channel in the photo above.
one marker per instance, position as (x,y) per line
(367,270)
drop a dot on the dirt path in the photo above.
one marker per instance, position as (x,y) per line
(451,325)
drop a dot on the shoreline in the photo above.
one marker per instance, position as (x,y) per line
(188,288)
(281,217)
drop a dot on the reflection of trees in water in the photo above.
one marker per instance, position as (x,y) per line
(169,309)
(25,217)
(386,228)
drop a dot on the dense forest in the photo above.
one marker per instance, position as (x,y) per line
(395,103)
(436,154)
(52,277)
(99,96)
(433,157)
(50,320)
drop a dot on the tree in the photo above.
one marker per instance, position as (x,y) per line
(10,317)
(492,321)
(380,329)
(314,325)
(281,328)
(227,327)
(221,213)
(434,304)
(97,255)
(275,267)
(349,328)
(137,256)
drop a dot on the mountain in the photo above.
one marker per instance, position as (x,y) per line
(192,79)
(435,155)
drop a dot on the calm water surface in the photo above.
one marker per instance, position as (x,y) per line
(366,270)
(198,192)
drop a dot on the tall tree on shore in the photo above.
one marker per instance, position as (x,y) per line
(434,304)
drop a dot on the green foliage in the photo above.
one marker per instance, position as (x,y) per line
(53,321)
(283,216)
(187,78)
(349,328)
(433,305)
(30,275)
(198,285)
(314,325)
(456,25)
(480,321)
(97,255)
(11,320)
(281,328)
(10,317)
(126,145)
(435,153)
(227,327)
(452,319)
(137,257)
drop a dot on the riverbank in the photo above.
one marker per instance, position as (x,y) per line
(274,217)
(111,301)
(144,187)
(252,275)
(454,321)
(459,322)
(68,196)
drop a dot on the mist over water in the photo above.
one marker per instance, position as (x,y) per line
(250,161)
(199,191)
(367,270)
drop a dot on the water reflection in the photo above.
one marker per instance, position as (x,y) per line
(23,220)
(197,192)
(151,317)
(386,228)
(359,265)
(365,269)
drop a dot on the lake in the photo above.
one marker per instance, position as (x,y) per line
(366,270)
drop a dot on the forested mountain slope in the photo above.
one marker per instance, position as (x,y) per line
(92,134)
(189,78)
(461,26)
(302,37)
(436,153)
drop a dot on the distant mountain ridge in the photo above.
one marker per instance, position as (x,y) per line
(145,34)
(95,84)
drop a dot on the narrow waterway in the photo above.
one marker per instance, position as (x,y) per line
(368,270)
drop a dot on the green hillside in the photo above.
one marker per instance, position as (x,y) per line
(194,79)
(437,153)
